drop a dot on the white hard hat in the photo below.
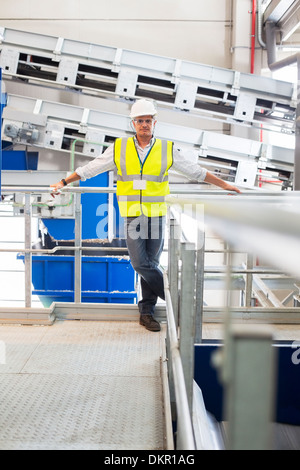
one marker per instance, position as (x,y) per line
(143,108)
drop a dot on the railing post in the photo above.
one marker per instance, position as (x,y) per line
(247,369)
(173,263)
(187,317)
(173,271)
(28,256)
(296,297)
(78,252)
(249,388)
(249,280)
(200,257)
(185,436)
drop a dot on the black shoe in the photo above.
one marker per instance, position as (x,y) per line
(149,323)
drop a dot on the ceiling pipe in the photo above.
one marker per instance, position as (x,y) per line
(273,64)
(271,43)
(260,24)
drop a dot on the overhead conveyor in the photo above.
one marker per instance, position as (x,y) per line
(114,74)
(204,90)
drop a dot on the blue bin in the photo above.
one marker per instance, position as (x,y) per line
(108,279)
(286,384)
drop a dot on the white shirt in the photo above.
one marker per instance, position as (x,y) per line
(105,162)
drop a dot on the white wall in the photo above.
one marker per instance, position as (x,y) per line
(196,30)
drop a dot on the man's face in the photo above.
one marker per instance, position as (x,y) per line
(144,126)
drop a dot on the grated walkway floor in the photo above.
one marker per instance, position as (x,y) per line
(81,385)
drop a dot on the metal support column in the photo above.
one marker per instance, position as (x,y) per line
(187,316)
(28,255)
(173,268)
(296,297)
(173,278)
(248,282)
(200,257)
(185,435)
(249,388)
(296,301)
(78,252)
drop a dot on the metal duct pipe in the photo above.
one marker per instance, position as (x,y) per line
(277,65)
(260,25)
(271,43)
(273,64)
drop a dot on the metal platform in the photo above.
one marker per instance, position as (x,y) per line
(82,385)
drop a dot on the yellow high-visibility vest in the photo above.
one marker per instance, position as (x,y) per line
(142,187)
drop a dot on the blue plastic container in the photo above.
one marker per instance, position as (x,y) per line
(108,279)
(286,384)
(18,159)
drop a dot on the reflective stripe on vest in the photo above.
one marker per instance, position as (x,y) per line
(153,173)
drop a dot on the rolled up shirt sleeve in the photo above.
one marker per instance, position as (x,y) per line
(100,164)
(105,162)
(188,168)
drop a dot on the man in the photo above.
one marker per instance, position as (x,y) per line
(142,164)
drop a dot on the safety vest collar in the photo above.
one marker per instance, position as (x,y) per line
(124,176)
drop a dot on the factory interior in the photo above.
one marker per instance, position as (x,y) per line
(78,371)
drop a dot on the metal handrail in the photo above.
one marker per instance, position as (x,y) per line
(211,194)
(239,222)
(51,251)
(185,439)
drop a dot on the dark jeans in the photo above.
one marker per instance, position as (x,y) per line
(145,241)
